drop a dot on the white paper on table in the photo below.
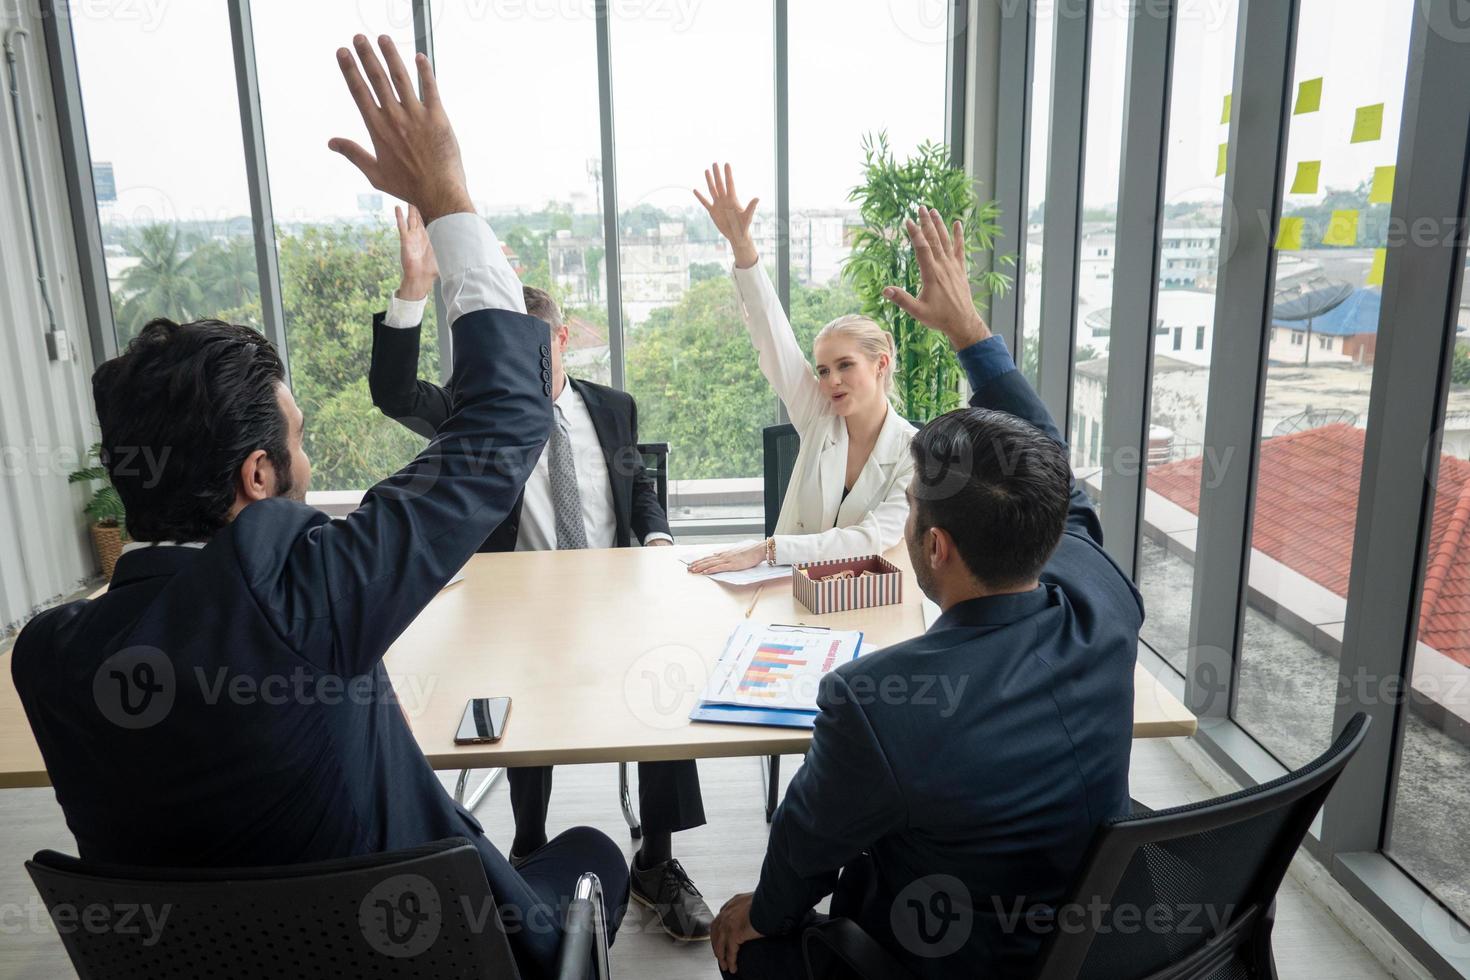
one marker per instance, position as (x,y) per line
(776,666)
(458,578)
(745,576)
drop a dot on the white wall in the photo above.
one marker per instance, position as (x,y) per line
(46,419)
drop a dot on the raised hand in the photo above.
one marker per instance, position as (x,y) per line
(415,155)
(944,302)
(415,254)
(729,215)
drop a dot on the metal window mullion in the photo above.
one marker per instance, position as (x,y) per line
(1011,145)
(1062,235)
(956,65)
(71,125)
(423,43)
(612,258)
(1255,180)
(781,30)
(1149,78)
(257,178)
(1416,340)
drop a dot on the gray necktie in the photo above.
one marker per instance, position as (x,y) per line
(566,499)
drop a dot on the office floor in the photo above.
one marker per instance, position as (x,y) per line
(722,857)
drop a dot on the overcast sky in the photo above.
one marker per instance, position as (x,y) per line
(692,82)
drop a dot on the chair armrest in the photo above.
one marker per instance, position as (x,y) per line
(847,941)
(583,952)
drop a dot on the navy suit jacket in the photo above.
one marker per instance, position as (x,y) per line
(958,777)
(228,706)
(423,406)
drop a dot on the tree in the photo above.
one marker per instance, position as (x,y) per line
(227,275)
(161,284)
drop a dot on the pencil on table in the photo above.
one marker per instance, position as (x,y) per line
(757,598)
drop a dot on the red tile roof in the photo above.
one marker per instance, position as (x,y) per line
(1306,507)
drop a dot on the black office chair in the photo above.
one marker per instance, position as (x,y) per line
(779,444)
(1223,859)
(422,912)
(656,465)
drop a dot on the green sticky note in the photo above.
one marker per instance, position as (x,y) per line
(1224,156)
(1289,238)
(1343,229)
(1368,125)
(1382,192)
(1308,173)
(1225,113)
(1309,96)
(1380,264)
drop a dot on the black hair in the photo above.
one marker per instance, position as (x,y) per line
(181,409)
(998,485)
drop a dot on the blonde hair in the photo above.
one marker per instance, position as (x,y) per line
(870,338)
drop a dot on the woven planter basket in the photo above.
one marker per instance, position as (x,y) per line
(109,544)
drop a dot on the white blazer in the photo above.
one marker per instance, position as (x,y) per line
(815,522)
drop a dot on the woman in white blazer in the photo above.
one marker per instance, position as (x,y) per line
(847,495)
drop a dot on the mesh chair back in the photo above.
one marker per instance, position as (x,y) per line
(1187,893)
(656,464)
(424,912)
(780,444)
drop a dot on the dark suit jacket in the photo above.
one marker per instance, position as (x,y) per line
(423,406)
(228,706)
(970,765)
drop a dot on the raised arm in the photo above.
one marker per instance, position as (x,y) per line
(781,359)
(945,304)
(393,381)
(344,590)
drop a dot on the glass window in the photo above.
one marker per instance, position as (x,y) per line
(689,361)
(1430,822)
(1194,198)
(545,204)
(1316,399)
(864,77)
(172,200)
(335,234)
(1101,156)
(1044,30)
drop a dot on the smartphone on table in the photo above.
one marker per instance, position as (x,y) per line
(483,721)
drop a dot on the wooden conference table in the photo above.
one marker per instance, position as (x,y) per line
(604,653)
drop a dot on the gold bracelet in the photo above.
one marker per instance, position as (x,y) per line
(771,550)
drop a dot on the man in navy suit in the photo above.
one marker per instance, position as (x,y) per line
(225,702)
(612,502)
(954,781)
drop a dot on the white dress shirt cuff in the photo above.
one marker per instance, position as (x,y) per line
(657,536)
(404,314)
(473,271)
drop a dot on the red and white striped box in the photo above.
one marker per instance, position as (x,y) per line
(815,589)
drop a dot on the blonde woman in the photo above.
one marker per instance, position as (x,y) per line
(847,492)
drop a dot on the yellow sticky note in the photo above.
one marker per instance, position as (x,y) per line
(1368,125)
(1308,173)
(1289,238)
(1382,192)
(1343,229)
(1308,96)
(1380,263)
(1225,113)
(1224,155)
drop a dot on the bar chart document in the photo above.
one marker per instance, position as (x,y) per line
(778,667)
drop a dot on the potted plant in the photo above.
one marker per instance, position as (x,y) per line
(105,508)
(926,374)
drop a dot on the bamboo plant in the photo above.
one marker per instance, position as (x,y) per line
(926,376)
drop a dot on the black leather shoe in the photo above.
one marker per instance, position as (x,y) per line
(666,889)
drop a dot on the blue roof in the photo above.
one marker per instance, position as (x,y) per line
(1358,314)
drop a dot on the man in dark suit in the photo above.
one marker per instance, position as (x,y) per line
(954,781)
(589,490)
(225,703)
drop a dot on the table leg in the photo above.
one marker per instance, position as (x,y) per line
(635,828)
(478,794)
(771,772)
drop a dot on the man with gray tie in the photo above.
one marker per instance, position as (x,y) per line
(589,490)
